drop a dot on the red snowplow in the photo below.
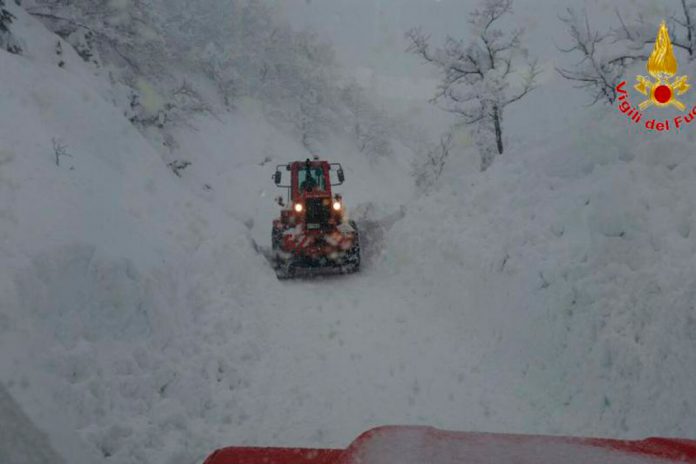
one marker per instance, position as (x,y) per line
(313,232)
(425,445)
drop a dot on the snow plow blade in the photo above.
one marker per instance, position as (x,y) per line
(425,445)
(274,456)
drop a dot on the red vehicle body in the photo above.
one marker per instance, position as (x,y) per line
(426,445)
(313,231)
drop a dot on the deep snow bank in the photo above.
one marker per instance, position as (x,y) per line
(552,294)
(572,261)
(106,264)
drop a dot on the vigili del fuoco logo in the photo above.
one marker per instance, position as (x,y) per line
(663,91)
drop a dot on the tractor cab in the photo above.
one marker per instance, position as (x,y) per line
(308,179)
(312,179)
(312,230)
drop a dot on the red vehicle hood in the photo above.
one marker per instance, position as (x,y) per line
(426,445)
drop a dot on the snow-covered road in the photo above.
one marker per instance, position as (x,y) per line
(552,294)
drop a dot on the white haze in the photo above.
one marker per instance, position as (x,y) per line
(141,323)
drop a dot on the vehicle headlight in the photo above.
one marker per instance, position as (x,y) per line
(298,207)
(337,205)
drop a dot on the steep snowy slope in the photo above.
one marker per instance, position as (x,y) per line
(573,260)
(106,260)
(552,294)
(135,309)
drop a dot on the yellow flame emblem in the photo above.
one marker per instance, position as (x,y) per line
(662,65)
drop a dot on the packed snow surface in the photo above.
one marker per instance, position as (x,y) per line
(554,293)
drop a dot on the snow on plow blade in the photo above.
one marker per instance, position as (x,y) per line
(425,445)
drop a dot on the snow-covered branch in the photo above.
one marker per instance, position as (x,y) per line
(478,76)
(603,57)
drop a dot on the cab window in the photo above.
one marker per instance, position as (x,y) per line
(311,179)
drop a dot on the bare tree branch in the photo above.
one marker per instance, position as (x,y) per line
(477,77)
(597,72)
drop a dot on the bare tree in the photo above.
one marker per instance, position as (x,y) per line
(478,76)
(59,150)
(429,170)
(640,32)
(598,70)
(688,22)
(604,56)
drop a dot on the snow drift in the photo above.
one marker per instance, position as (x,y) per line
(552,294)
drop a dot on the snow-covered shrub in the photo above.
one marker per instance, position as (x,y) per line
(173,59)
(428,168)
(239,45)
(227,40)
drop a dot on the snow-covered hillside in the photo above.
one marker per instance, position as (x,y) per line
(551,294)
(135,303)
